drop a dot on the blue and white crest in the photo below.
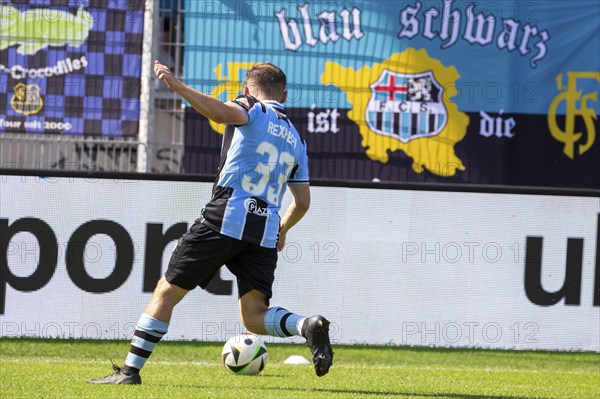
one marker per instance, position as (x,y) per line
(406,106)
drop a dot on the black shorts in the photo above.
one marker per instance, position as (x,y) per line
(201,252)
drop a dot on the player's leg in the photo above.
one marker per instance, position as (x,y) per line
(253,308)
(197,257)
(152,325)
(164,299)
(255,271)
(258,318)
(279,322)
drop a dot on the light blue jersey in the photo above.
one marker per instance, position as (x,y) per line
(259,160)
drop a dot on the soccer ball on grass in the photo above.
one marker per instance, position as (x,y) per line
(244,354)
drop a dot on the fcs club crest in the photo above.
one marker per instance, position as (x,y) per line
(27,99)
(409,110)
(406,106)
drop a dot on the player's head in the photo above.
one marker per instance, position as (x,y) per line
(266,81)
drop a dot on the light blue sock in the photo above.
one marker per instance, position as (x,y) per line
(279,322)
(148,333)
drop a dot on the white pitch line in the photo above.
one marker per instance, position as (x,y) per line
(337,366)
(95,362)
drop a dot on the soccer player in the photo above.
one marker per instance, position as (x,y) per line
(262,154)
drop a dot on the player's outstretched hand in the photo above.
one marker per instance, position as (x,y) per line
(165,74)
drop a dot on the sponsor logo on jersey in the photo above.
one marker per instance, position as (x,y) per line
(255,207)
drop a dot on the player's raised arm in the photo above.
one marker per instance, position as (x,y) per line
(212,108)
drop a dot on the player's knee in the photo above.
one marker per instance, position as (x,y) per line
(169,293)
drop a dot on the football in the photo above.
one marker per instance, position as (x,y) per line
(244,354)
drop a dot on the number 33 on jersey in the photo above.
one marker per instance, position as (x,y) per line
(259,160)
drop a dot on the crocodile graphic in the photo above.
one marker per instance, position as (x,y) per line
(37,28)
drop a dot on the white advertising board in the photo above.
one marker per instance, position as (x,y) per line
(79,258)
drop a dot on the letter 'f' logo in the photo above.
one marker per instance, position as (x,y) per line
(576,105)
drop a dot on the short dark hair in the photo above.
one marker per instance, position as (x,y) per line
(268,77)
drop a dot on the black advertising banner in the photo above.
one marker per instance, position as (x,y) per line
(71,66)
(438,91)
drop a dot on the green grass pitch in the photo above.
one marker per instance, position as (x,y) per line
(33,368)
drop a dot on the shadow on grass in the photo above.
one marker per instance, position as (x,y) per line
(413,394)
(387,393)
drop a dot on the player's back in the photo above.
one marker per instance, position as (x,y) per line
(263,156)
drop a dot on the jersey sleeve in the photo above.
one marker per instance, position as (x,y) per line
(299,174)
(253,107)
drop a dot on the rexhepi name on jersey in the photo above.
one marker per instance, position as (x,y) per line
(283,132)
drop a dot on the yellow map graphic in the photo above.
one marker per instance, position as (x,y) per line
(436,154)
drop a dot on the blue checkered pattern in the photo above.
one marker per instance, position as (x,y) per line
(102,98)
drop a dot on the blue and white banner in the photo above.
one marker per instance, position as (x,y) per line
(489,92)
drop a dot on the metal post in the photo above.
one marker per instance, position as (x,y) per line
(146,98)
